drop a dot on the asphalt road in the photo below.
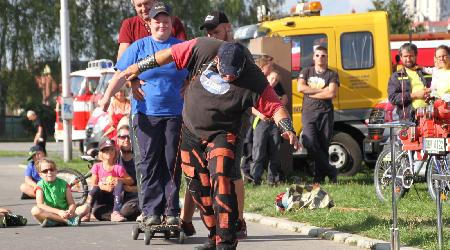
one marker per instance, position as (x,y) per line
(108,235)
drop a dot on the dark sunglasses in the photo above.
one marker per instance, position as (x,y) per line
(321,55)
(123,137)
(48,170)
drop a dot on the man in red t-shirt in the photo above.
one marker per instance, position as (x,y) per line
(137,27)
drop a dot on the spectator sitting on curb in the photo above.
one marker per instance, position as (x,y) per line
(108,180)
(130,208)
(54,201)
(31,174)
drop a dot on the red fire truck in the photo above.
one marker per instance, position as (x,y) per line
(426,44)
(86,87)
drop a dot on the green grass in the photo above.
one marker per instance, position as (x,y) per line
(76,163)
(13,154)
(358,211)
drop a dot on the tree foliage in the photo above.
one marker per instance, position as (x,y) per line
(399,20)
(30,36)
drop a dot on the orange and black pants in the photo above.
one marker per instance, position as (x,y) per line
(208,167)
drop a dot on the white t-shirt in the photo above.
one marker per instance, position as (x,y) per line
(440,80)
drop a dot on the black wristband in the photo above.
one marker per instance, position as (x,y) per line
(147,63)
(285,124)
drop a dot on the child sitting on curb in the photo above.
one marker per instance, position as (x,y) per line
(31,174)
(107,180)
(54,201)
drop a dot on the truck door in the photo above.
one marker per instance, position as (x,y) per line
(303,43)
(357,72)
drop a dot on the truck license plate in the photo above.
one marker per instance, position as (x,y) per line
(434,145)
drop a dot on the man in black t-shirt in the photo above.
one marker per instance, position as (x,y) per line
(319,86)
(224,84)
(41,134)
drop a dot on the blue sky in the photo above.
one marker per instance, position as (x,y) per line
(331,7)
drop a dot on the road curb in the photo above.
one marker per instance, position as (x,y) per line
(323,233)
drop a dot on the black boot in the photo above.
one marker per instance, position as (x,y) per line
(208,245)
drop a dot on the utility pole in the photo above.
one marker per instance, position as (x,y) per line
(65,70)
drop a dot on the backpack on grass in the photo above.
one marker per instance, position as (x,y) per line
(303,196)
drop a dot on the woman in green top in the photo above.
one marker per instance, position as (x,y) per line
(54,201)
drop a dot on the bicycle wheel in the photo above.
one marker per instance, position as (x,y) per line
(438,165)
(77,182)
(383,174)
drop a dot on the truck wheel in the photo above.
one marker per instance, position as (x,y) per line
(345,154)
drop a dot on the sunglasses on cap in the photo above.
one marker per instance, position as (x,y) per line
(48,170)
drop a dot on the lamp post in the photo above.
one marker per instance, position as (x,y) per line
(65,70)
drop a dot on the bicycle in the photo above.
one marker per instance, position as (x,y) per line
(407,174)
(78,181)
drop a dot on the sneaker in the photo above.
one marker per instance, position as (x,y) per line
(14,220)
(209,245)
(188,228)
(152,220)
(140,218)
(117,217)
(172,220)
(74,221)
(24,196)
(241,229)
(2,221)
(49,223)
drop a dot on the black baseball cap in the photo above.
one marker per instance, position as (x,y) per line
(105,142)
(231,58)
(33,150)
(213,19)
(158,8)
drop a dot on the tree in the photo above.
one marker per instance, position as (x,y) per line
(399,20)
(30,36)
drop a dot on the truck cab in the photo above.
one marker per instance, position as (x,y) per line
(86,87)
(358,50)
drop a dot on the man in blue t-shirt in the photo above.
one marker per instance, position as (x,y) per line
(156,121)
(31,174)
